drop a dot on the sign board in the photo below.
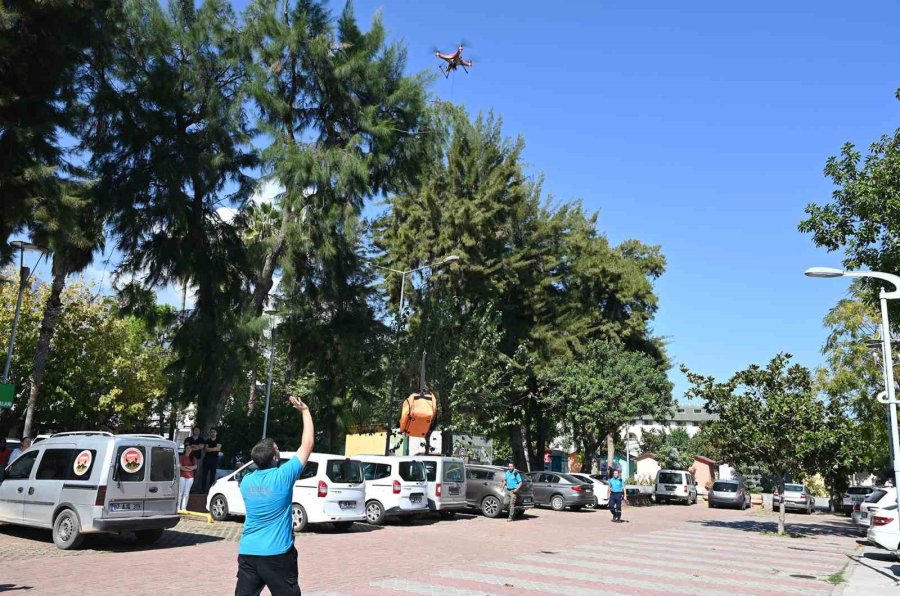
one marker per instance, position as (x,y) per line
(7,393)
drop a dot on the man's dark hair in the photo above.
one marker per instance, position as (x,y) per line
(263,454)
(213,429)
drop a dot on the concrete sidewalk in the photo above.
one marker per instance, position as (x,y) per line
(872,570)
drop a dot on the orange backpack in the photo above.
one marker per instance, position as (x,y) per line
(417,414)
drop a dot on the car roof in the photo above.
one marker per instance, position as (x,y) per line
(438,457)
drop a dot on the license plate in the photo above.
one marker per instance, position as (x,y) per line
(347,504)
(670,487)
(863,515)
(126,507)
(415,498)
(454,490)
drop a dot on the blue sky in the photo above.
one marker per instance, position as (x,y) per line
(699,126)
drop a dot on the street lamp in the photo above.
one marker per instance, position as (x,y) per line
(891,399)
(24,276)
(273,322)
(403,274)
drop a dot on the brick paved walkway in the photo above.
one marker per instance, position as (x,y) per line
(663,549)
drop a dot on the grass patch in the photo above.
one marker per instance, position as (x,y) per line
(836,578)
(789,534)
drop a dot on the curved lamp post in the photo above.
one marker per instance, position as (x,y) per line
(889,396)
(24,276)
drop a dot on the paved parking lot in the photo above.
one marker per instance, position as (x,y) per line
(662,549)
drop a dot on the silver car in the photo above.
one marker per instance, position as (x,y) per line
(729,493)
(796,497)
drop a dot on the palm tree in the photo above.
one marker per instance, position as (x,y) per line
(69,226)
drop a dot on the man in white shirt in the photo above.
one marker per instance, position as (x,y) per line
(26,443)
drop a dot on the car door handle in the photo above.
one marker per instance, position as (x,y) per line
(21,489)
(31,491)
(153,489)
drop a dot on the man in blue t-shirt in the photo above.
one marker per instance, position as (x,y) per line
(266,555)
(616,494)
(512,480)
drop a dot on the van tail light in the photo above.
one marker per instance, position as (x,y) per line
(437,489)
(101,496)
(578,488)
(881,521)
(856,507)
(323,488)
(396,487)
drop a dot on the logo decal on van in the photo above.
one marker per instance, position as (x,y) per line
(82,463)
(132,460)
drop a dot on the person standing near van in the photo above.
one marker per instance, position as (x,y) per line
(211,449)
(512,480)
(266,554)
(616,494)
(25,444)
(188,468)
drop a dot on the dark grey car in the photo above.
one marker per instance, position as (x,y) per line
(485,490)
(561,490)
(729,493)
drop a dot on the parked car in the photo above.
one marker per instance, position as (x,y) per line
(879,498)
(601,487)
(446,477)
(486,491)
(796,497)
(729,493)
(78,483)
(395,487)
(330,489)
(561,490)
(885,528)
(675,485)
(854,496)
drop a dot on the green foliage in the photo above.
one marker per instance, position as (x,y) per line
(603,389)
(676,449)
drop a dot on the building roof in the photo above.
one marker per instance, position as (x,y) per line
(705,460)
(683,413)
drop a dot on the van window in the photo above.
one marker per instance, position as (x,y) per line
(134,475)
(373,471)
(454,471)
(162,464)
(309,470)
(21,468)
(412,471)
(671,478)
(430,470)
(59,464)
(344,471)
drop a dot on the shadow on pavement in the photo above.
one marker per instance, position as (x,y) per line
(126,542)
(867,559)
(13,587)
(825,527)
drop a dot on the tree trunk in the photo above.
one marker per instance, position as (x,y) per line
(518,446)
(781,511)
(52,310)
(610,452)
(264,280)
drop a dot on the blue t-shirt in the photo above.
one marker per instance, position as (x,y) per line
(513,479)
(267,498)
(616,485)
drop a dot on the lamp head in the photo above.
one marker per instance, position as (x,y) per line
(823,272)
(450,259)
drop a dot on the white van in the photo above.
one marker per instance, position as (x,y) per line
(77,483)
(446,477)
(330,489)
(395,486)
(675,485)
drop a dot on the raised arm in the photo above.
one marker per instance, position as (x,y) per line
(308,438)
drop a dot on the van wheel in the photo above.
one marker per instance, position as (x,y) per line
(218,508)
(558,503)
(148,536)
(299,520)
(67,530)
(343,526)
(374,513)
(491,506)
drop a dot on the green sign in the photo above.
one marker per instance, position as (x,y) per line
(7,392)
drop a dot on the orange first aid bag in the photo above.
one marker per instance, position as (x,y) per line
(417,414)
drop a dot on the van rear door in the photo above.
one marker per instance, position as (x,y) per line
(127,485)
(346,490)
(161,497)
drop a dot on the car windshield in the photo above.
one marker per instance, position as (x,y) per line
(725,487)
(859,490)
(876,496)
(412,471)
(794,488)
(344,471)
(671,478)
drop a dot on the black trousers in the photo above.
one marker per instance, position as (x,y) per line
(615,505)
(208,476)
(279,573)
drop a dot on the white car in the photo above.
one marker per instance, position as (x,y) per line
(885,528)
(854,496)
(330,489)
(601,488)
(880,498)
(395,487)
